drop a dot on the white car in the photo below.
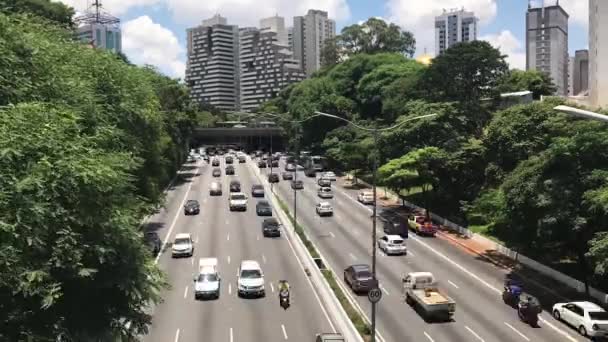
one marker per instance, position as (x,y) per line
(330,175)
(366,197)
(588,318)
(392,244)
(325,192)
(250,279)
(325,209)
(237,201)
(207,281)
(182,245)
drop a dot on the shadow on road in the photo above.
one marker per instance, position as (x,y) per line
(153,226)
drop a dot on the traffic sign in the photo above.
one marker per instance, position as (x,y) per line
(374,295)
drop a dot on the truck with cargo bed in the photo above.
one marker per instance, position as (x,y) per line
(422,292)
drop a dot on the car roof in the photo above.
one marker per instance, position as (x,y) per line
(263,202)
(324,203)
(237,193)
(191,201)
(182,236)
(325,188)
(257,186)
(235,182)
(588,306)
(393,237)
(361,267)
(207,262)
(250,265)
(271,219)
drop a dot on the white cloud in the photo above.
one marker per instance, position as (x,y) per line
(146,42)
(577,9)
(508,45)
(418,16)
(249,12)
(114,7)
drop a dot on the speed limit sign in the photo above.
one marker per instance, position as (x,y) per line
(374,295)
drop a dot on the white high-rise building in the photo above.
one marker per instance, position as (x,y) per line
(266,66)
(276,24)
(453,27)
(547,43)
(598,53)
(308,38)
(212,71)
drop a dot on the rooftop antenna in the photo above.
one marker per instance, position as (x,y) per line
(95,14)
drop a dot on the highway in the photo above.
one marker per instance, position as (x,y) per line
(230,237)
(345,239)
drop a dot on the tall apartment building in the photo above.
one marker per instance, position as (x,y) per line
(547,43)
(580,72)
(598,53)
(309,33)
(453,27)
(212,67)
(276,24)
(266,66)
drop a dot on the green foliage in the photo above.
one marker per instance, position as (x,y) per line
(466,72)
(539,83)
(54,11)
(375,36)
(85,153)
(349,149)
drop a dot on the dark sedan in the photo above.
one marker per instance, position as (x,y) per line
(235,186)
(257,190)
(263,208)
(287,175)
(359,278)
(262,164)
(230,170)
(274,163)
(273,178)
(192,207)
(271,227)
(216,172)
(297,184)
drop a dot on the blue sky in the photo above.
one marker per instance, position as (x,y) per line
(154,30)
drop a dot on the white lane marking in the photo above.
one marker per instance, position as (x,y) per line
(451,283)
(264,258)
(231,336)
(429,337)
(227,222)
(485,283)
(355,232)
(332,235)
(192,261)
(229,288)
(186,292)
(174,222)
(411,253)
(517,331)
(227,237)
(331,324)
(352,256)
(177,335)
(228,259)
(474,333)
(257,237)
(271,287)
(383,289)
(204,200)
(284,332)
(196,241)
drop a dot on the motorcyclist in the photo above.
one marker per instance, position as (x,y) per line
(284,293)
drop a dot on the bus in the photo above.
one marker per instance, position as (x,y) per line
(314,163)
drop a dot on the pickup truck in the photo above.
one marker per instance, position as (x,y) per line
(421,225)
(421,292)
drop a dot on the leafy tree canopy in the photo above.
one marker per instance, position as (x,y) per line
(51,10)
(535,81)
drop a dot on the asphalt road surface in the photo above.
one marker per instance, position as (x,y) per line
(230,237)
(476,286)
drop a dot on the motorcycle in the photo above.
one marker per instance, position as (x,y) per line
(511,294)
(528,310)
(284,299)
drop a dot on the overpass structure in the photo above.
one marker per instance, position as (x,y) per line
(247,138)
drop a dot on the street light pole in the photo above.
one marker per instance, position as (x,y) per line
(295,180)
(374,279)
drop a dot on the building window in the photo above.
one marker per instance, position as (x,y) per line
(109,39)
(97,38)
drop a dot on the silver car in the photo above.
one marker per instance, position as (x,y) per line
(324,209)
(207,281)
(392,244)
(325,192)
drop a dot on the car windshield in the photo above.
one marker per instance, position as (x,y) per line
(364,274)
(181,241)
(238,197)
(251,274)
(598,315)
(271,222)
(257,187)
(263,204)
(207,277)
(191,203)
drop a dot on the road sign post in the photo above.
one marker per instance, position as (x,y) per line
(374,295)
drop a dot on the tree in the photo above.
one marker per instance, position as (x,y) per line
(539,83)
(373,87)
(50,10)
(416,169)
(330,53)
(375,36)
(349,149)
(466,72)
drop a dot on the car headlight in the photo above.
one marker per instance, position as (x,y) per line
(595,327)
